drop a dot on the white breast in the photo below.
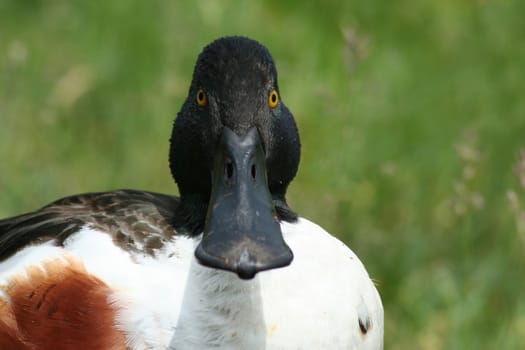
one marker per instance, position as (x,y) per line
(315,303)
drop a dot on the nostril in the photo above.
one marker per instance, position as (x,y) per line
(229,170)
(254,172)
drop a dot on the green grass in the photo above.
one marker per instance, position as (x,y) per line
(412,119)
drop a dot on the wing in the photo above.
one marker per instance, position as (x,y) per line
(137,220)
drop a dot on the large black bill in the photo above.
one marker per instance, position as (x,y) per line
(241,233)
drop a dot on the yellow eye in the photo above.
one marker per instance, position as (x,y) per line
(273,99)
(201,98)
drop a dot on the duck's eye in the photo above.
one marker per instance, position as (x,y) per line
(273,99)
(201,98)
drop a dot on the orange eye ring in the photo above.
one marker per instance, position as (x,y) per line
(273,99)
(201,98)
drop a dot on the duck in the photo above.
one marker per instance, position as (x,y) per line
(226,265)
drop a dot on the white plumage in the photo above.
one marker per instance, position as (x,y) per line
(170,301)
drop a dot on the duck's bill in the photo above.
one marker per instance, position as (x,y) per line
(242,233)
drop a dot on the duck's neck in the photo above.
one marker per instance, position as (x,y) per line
(220,309)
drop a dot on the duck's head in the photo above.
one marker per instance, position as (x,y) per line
(234,150)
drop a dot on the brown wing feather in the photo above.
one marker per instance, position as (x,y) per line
(137,220)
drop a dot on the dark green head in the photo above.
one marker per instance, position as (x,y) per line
(234,101)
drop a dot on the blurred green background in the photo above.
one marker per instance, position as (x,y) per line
(411,114)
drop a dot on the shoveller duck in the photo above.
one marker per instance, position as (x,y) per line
(228,265)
